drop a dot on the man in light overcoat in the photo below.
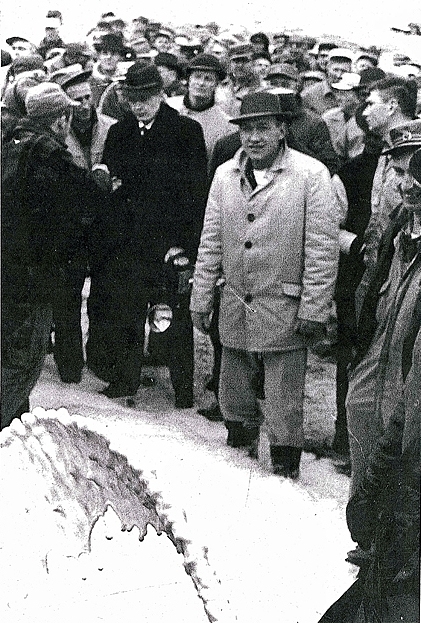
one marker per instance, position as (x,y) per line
(271,229)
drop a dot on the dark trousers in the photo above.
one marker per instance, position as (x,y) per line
(118,306)
(23,354)
(347,330)
(67,302)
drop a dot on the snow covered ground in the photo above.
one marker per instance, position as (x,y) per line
(277,546)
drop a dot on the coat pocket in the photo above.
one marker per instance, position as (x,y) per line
(292,289)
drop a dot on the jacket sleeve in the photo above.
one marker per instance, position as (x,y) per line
(365,505)
(322,146)
(195,186)
(321,247)
(209,256)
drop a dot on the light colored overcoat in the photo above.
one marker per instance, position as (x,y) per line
(87,157)
(277,247)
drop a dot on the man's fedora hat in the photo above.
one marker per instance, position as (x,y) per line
(141,76)
(403,136)
(261,104)
(283,69)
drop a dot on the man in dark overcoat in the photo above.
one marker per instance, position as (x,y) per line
(157,159)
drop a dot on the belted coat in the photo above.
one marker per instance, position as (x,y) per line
(277,247)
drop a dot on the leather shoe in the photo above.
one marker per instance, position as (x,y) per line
(117,390)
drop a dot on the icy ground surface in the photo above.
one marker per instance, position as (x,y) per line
(277,546)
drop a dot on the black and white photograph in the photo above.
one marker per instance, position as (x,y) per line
(210,406)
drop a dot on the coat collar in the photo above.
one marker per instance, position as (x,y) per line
(283,160)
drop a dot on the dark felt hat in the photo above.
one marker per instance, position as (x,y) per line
(260,104)
(206,62)
(141,76)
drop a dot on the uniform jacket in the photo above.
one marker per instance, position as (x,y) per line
(86,158)
(277,247)
(163,182)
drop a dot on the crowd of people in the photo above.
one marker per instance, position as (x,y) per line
(254,187)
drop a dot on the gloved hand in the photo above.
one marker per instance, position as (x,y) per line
(102,177)
(201,320)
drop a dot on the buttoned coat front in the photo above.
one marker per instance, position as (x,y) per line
(277,247)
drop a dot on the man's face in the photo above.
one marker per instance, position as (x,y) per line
(162,44)
(284,82)
(362,64)
(81,93)
(322,59)
(241,67)
(22,48)
(408,187)
(261,138)
(348,101)
(168,75)
(108,61)
(202,84)
(261,66)
(145,107)
(377,112)
(335,69)
(220,52)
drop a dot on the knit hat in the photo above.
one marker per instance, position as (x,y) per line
(27,63)
(47,100)
(261,104)
(206,62)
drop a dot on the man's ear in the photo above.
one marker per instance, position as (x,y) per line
(393,104)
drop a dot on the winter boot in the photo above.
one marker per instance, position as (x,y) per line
(286,461)
(235,438)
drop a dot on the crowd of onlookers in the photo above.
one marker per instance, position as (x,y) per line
(262,188)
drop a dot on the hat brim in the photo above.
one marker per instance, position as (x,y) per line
(284,116)
(13,40)
(405,145)
(78,79)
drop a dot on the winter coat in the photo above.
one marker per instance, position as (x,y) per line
(163,183)
(346,136)
(87,157)
(213,120)
(277,247)
(49,205)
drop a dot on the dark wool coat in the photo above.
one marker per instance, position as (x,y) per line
(163,183)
